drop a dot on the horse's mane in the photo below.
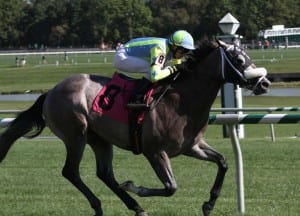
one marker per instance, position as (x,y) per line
(204,48)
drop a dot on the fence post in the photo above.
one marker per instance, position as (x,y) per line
(272,130)
(239,167)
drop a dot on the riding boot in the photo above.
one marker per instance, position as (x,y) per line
(136,101)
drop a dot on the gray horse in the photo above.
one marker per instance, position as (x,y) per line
(174,124)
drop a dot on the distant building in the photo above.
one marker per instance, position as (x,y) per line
(281,35)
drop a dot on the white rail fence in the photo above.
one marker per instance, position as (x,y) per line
(258,109)
(58,56)
(231,120)
(56,52)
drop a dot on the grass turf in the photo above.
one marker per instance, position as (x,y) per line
(37,76)
(31,183)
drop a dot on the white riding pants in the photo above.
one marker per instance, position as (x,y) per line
(131,64)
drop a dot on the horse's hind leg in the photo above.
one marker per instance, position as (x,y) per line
(75,148)
(160,163)
(204,152)
(104,155)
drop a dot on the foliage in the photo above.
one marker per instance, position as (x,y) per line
(63,23)
(169,15)
(11,14)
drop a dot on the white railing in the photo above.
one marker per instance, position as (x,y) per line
(15,53)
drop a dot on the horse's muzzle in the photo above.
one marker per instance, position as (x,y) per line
(262,86)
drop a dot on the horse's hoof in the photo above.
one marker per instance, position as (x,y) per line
(206,208)
(141,214)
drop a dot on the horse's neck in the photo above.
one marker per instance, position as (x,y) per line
(206,81)
(191,97)
(201,93)
(184,108)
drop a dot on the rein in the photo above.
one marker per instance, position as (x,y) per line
(165,90)
(224,58)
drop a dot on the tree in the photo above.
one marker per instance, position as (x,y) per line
(214,11)
(94,22)
(251,23)
(132,20)
(37,26)
(255,15)
(11,13)
(171,15)
(281,12)
(73,17)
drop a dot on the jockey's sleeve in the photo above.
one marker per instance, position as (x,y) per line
(158,58)
(176,61)
(157,73)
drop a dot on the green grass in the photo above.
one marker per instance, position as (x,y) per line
(30,177)
(31,183)
(277,60)
(38,77)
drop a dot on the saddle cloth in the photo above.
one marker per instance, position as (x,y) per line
(112,98)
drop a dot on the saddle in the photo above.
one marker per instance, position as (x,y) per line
(112,100)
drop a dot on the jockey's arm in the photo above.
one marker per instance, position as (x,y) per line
(157,70)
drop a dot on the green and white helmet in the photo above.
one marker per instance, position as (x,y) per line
(182,38)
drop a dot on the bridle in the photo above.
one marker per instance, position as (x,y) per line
(258,83)
(225,60)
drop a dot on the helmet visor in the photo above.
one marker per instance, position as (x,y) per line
(182,50)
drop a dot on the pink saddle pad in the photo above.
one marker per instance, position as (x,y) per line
(112,98)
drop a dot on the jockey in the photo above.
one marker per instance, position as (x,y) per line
(150,55)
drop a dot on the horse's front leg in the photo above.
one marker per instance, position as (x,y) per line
(203,151)
(160,162)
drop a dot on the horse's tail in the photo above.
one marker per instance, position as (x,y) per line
(29,123)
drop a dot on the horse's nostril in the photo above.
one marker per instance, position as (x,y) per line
(265,84)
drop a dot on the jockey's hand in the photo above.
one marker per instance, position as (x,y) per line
(176,68)
(181,67)
(172,69)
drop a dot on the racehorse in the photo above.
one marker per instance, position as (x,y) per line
(173,125)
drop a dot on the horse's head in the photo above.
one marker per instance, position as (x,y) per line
(238,68)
